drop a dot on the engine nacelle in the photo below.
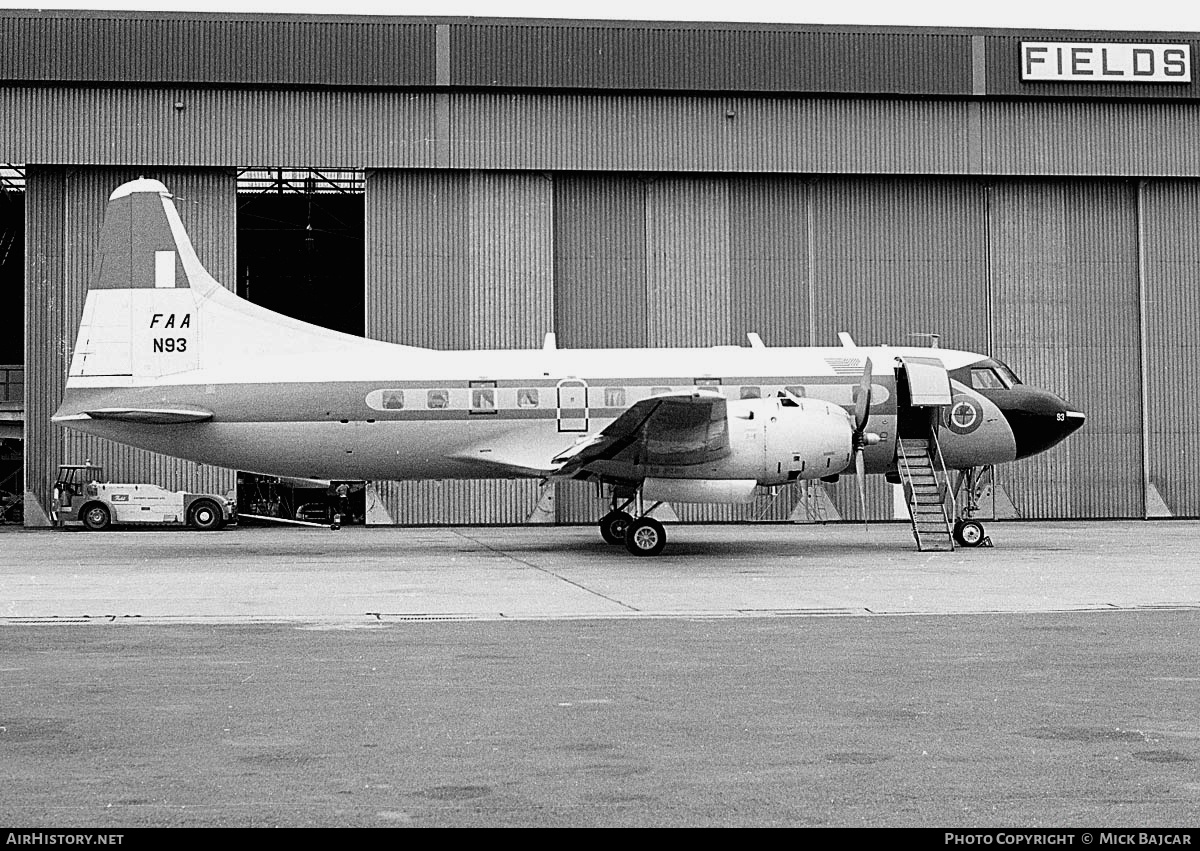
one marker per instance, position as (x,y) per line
(799,439)
(772,442)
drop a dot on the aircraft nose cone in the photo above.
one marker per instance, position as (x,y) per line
(1039,420)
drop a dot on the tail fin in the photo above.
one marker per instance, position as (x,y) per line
(153,312)
(140,318)
(143,243)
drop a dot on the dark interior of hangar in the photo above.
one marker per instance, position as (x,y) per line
(12,350)
(12,278)
(308,501)
(301,254)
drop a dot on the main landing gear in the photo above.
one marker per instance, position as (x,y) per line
(642,536)
(968,532)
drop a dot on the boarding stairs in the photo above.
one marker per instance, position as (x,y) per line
(925,490)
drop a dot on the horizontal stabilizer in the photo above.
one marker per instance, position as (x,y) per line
(152,416)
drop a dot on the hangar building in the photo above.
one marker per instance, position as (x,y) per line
(474,183)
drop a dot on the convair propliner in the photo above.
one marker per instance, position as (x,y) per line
(168,360)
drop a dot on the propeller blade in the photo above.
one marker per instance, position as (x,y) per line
(860,472)
(862,400)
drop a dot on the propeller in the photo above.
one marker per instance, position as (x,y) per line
(862,437)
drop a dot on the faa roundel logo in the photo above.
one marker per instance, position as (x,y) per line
(964,415)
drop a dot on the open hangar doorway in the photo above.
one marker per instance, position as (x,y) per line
(300,253)
(12,343)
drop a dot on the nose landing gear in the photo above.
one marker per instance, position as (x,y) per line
(969,532)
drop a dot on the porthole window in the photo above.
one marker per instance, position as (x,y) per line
(438,399)
(527,397)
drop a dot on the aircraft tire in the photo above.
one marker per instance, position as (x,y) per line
(204,515)
(613,527)
(96,518)
(969,533)
(645,537)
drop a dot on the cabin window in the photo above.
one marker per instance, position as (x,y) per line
(527,397)
(750,393)
(438,399)
(393,400)
(614,397)
(985,378)
(483,400)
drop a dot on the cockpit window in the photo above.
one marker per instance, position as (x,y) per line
(985,378)
(1007,374)
(992,375)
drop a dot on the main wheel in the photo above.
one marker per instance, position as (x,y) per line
(97,518)
(613,526)
(204,515)
(969,533)
(645,537)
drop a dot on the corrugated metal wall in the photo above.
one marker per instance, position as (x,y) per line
(600,261)
(1079,138)
(64,210)
(115,47)
(459,260)
(217,127)
(1065,315)
(707,133)
(595,132)
(893,258)
(1171,248)
(355,52)
(707,57)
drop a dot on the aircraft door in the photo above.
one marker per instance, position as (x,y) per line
(572,405)
(923,389)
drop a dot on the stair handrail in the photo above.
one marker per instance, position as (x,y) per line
(907,477)
(944,481)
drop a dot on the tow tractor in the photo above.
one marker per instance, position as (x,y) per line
(83,498)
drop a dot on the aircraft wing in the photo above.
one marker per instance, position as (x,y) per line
(675,430)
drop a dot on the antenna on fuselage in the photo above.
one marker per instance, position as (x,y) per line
(847,340)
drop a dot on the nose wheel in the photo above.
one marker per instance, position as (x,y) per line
(969,533)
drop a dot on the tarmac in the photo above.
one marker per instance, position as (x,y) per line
(537,677)
(360,575)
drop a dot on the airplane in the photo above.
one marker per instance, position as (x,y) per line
(170,361)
